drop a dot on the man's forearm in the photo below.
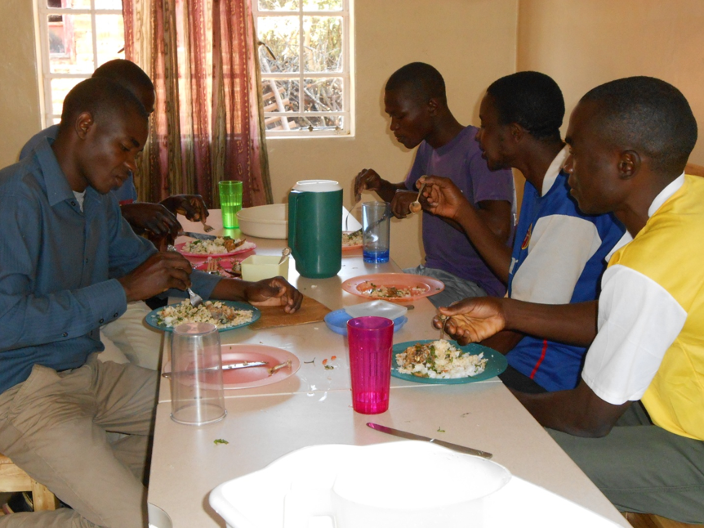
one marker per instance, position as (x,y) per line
(573,324)
(387,190)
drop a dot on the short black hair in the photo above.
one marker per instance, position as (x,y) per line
(531,99)
(126,73)
(647,114)
(423,80)
(100,97)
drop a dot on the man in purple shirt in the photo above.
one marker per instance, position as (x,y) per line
(416,102)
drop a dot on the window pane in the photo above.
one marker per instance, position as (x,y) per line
(287,99)
(322,5)
(108,4)
(76,4)
(322,44)
(281,34)
(59,89)
(70,45)
(323,95)
(111,39)
(316,123)
(278,5)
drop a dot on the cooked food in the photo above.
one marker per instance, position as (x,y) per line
(215,312)
(377,291)
(439,359)
(353,238)
(219,246)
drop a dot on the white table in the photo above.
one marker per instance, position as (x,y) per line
(315,407)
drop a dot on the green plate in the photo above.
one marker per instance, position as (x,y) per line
(153,321)
(496,365)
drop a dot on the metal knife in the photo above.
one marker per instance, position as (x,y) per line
(229,366)
(413,436)
(199,236)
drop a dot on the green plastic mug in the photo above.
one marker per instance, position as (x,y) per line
(315,227)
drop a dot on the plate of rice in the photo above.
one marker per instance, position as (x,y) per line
(220,247)
(445,362)
(351,240)
(225,315)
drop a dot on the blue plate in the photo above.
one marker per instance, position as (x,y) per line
(496,365)
(337,322)
(153,321)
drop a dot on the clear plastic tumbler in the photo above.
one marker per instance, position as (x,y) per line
(370,341)
(197,394)
(376,226)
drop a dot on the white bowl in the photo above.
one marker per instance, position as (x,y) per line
(313,485)
(264,221)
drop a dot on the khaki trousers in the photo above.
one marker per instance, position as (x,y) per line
(54,426)
(137,341)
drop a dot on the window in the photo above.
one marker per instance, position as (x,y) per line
(305,56)
(76,36)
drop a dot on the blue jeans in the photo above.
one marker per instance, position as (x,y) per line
(456,289)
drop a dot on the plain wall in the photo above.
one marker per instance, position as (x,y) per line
(582,44)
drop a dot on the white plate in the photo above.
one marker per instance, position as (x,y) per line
(377,308)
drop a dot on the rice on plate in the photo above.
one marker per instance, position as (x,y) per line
(215,312)
(219,246)
(439,359)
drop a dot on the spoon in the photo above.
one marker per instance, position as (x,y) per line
(285,253)
(415,206)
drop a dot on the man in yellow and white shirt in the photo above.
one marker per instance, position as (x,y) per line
(640,401)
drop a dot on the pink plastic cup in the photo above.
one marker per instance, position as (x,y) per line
(370,340)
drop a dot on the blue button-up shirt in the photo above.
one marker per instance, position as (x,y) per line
(59,267)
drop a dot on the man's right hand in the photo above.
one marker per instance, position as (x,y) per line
(152,217)
(443,197)
(161,271)
(366,180)
(472,320)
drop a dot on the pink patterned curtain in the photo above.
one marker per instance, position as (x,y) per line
(201,55)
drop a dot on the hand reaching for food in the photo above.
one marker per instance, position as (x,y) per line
(471,320)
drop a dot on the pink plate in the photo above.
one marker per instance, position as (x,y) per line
(249,378)
(244,248)
(419,285)
(224,262)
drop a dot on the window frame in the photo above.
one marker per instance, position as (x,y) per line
(347,73)
(43,11)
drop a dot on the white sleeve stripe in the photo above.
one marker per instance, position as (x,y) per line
(638,322)
(560,246)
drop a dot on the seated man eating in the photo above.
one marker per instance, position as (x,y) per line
(559,252)
(640,400)
(69,263)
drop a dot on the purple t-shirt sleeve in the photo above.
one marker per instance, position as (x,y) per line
(490,185)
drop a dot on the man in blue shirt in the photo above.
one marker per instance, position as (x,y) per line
(70,263)
(559,253)
(127,338)
(155,219)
